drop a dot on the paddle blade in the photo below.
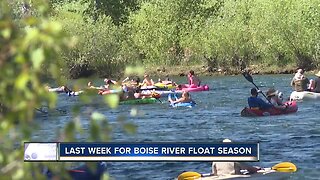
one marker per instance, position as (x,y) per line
(285,167)
(189,176)
(247,76)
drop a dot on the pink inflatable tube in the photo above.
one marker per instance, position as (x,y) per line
(194,88)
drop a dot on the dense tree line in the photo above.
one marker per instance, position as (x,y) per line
(219,33)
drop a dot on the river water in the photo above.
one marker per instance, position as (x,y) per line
(294,137)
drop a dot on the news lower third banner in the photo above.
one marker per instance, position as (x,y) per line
(142,152)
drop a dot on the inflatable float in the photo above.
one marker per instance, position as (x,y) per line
(165,86)
(140,101)
(105,92)
(304,95)
(161,93)
(292,108)
(181,104)
(187,87)
(266,173)
(185,104)
(279,171)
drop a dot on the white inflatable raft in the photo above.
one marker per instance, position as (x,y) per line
(304,95)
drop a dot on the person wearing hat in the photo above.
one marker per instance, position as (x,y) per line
(232,168)
(300,82)
(273,97)
(255,102)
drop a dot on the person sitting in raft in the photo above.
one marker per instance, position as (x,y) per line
(232,168)
(91,86)
(147,81)
(109,82)
(193,80)
(185,97)
(255,102)
(139,95)
(167,81)
(273,97)
(127,95)
(299,82)
(315,84)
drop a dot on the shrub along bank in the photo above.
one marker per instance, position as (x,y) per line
(268,36)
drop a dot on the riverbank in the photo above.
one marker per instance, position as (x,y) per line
(203,70)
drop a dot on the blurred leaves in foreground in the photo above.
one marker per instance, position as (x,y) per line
(30,49)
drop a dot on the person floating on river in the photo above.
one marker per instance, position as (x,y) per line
(300,82)
(255,102)
(315,84)
(232,168)
(273,97)
(60,89)
(109,82)
(193,80)
(147,81)
(185,97)
(167,81)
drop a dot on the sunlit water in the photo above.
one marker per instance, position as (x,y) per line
(294,137)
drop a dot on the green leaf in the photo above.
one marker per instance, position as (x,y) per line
(37,57)
(130,128)
(21,81)
(139,70)
(18,174)
(97,116)
(112,100)
(6,33)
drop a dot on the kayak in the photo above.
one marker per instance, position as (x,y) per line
(292,108)
(304,95)
(264,174)
(163,93)
(187,87)
(165,86)
(181,104)
(140,101)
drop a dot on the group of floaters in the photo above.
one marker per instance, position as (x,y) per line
(303,89)
(133,89)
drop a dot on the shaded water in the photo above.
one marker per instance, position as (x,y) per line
(294,137)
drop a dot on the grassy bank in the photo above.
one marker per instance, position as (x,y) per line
(203,70)
(265,36)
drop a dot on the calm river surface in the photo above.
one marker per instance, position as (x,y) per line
(294,137)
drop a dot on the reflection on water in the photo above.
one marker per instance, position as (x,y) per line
(294,137)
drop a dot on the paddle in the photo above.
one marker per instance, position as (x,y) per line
(285,167)
(281,167)
(250,79)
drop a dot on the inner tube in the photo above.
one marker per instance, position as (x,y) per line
(181,104)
